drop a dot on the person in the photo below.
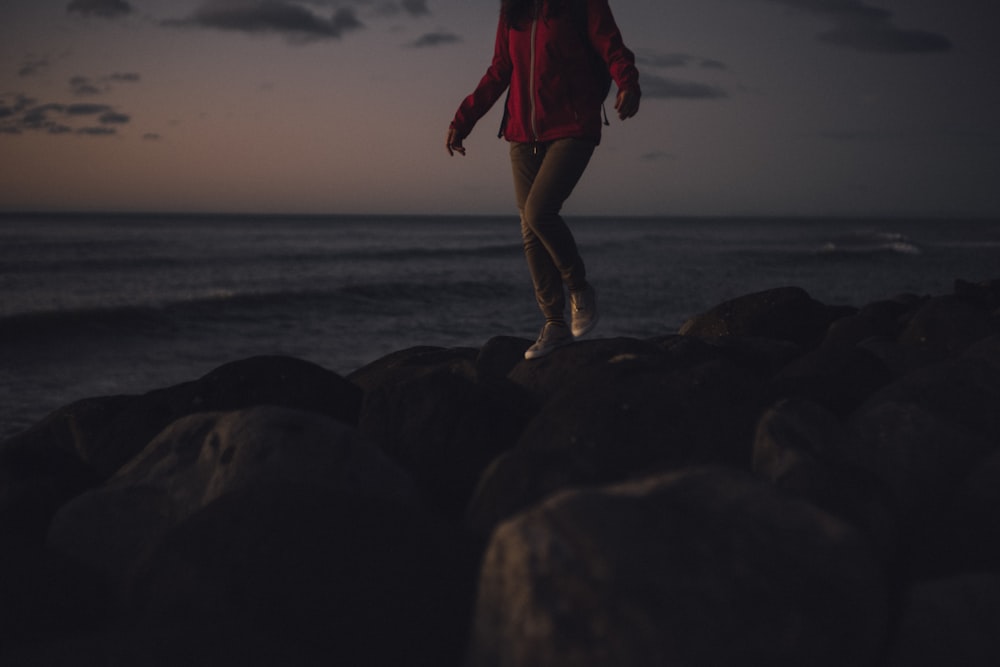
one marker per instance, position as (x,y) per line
(551,56)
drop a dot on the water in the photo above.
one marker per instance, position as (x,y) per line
(99,305)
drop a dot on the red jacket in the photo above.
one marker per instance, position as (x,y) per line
(549,69)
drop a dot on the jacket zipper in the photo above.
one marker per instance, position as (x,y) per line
(531,73)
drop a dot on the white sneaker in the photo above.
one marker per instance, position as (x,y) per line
(551,337)
(583,307)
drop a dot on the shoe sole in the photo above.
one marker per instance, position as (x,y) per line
(541,353)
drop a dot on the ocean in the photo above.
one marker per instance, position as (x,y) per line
(94,305)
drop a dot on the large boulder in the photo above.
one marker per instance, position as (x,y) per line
(962,535)
(544,377)
(408,363)
(267,380)
(785,313)
(105,433)
(840,379)
(624,418)
(799,447)
(701,567)
(306,575)
(41,468)
(919,456)
(200,459)
(445,425)
(500,354)
(944,326)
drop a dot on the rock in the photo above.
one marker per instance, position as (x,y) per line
(544,377)
(203,457)
(840,379)
(784,313)
(404,364)
(86,442)
(920,457)
(944,326)
(311,575)
(963,393)
(985,293)
(898,359)
(966,538)
(500,354)
(762,356)
(952,621)
(702,567)
(44,595)
(799,446)
(41,468)
(269,380)
(878,319)
(445,425)
(623,418)
(985,350)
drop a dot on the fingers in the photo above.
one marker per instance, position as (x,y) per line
(627,104)
(454,145)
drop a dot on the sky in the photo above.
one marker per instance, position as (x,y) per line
(749,107)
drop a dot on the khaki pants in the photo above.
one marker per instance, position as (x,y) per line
(544,176)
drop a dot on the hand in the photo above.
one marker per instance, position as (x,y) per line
(627,103)
(453,143)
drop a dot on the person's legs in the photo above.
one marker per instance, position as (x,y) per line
(544,177)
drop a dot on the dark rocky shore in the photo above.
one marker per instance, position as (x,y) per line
(782,483)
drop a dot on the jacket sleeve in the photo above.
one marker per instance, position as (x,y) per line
(606,38)
(490,88)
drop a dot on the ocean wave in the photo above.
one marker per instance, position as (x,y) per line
(228,307)
(870,243)
(143,262)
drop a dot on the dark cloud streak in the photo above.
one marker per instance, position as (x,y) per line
(293,21)
(435,39)
(32,66)
(651,59)
(868,29)
(415,7)
(658,87)
(83,86)
(23,114)
(101,8)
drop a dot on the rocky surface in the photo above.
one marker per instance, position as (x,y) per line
(782,482)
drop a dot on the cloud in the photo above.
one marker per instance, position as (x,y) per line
(710,63)
(113,118)
(415,7)
(83,86)
(435,39)
(656,156)
(97,131)
(650,59)
(23,114)
(271,16)
(102,8)
(31,66)
(861,27)
(659,87)
(19,104)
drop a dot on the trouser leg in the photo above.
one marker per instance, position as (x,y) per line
(544,177)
